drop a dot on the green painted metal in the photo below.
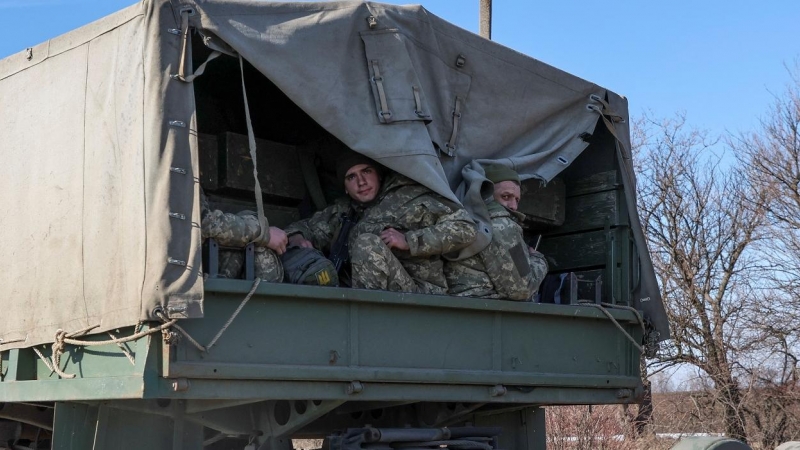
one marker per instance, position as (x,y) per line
(100,427)
(342,348)
(522,429)
(296,337)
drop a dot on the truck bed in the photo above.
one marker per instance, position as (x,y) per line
(300,342)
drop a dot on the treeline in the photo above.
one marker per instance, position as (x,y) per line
(722,217)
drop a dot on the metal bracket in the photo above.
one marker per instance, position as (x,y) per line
(497,390)
(573,290)
(180,385)
(211,254)
(249,262)
(355,387)
(282,417)
(176,262)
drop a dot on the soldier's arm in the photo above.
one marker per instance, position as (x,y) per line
(539,268)
(318,228)
(230,230)
(453,230)
(508,263)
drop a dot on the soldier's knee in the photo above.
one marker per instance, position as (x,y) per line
(268,265)
(364,245)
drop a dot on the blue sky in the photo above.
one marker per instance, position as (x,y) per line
(716,60)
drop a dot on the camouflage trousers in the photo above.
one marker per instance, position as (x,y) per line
(267,264)
(374,266)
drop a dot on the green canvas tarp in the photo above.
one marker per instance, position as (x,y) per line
(100,194)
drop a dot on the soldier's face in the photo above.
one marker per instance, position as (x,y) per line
(362,183)
(507,193)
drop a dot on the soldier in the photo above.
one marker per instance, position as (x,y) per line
(396,229)
(508,268)
(238,230)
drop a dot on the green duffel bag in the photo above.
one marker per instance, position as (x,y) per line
(308,266)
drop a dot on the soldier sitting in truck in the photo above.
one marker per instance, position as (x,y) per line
(394,229)
(238,230)
(507,268)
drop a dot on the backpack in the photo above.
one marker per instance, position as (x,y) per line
(308,266)
(554,289)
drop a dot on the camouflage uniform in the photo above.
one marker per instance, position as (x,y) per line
(505,269)
(238,230)
(432,226)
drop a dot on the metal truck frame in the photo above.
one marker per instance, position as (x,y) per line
(203,362)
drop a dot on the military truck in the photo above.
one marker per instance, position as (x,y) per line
(116,331)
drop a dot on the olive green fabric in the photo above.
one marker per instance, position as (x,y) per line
(308,266)
(100,193)
(99,190)
(497,173)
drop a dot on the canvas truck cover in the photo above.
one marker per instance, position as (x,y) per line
(100,195)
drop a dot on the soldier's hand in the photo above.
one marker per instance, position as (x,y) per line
(277,240)
(298,240)
(394,239)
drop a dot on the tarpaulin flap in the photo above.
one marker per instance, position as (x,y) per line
(86,187)
(437,86)
(646,294)
(100,177)
(419,95)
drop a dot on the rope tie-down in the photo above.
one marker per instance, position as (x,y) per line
(62,338)
(602,307)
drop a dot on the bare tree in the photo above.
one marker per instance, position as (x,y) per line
(701,226)
(583,427)
(771,157)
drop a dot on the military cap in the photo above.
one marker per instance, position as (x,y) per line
(349,159)
(497,173)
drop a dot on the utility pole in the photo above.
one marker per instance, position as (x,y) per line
(486,19)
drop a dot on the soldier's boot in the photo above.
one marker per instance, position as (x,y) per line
(375,267)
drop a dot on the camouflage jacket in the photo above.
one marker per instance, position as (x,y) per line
(505,269)
(432,225)
(229,230)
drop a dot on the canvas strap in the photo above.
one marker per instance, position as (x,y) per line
(378,79)
(418,104)
(609,118)
(450,146)
(262,219)
(184,65)
(200,69)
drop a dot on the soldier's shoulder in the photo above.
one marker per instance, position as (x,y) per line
(341,203)
(496,210)
(505,223)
